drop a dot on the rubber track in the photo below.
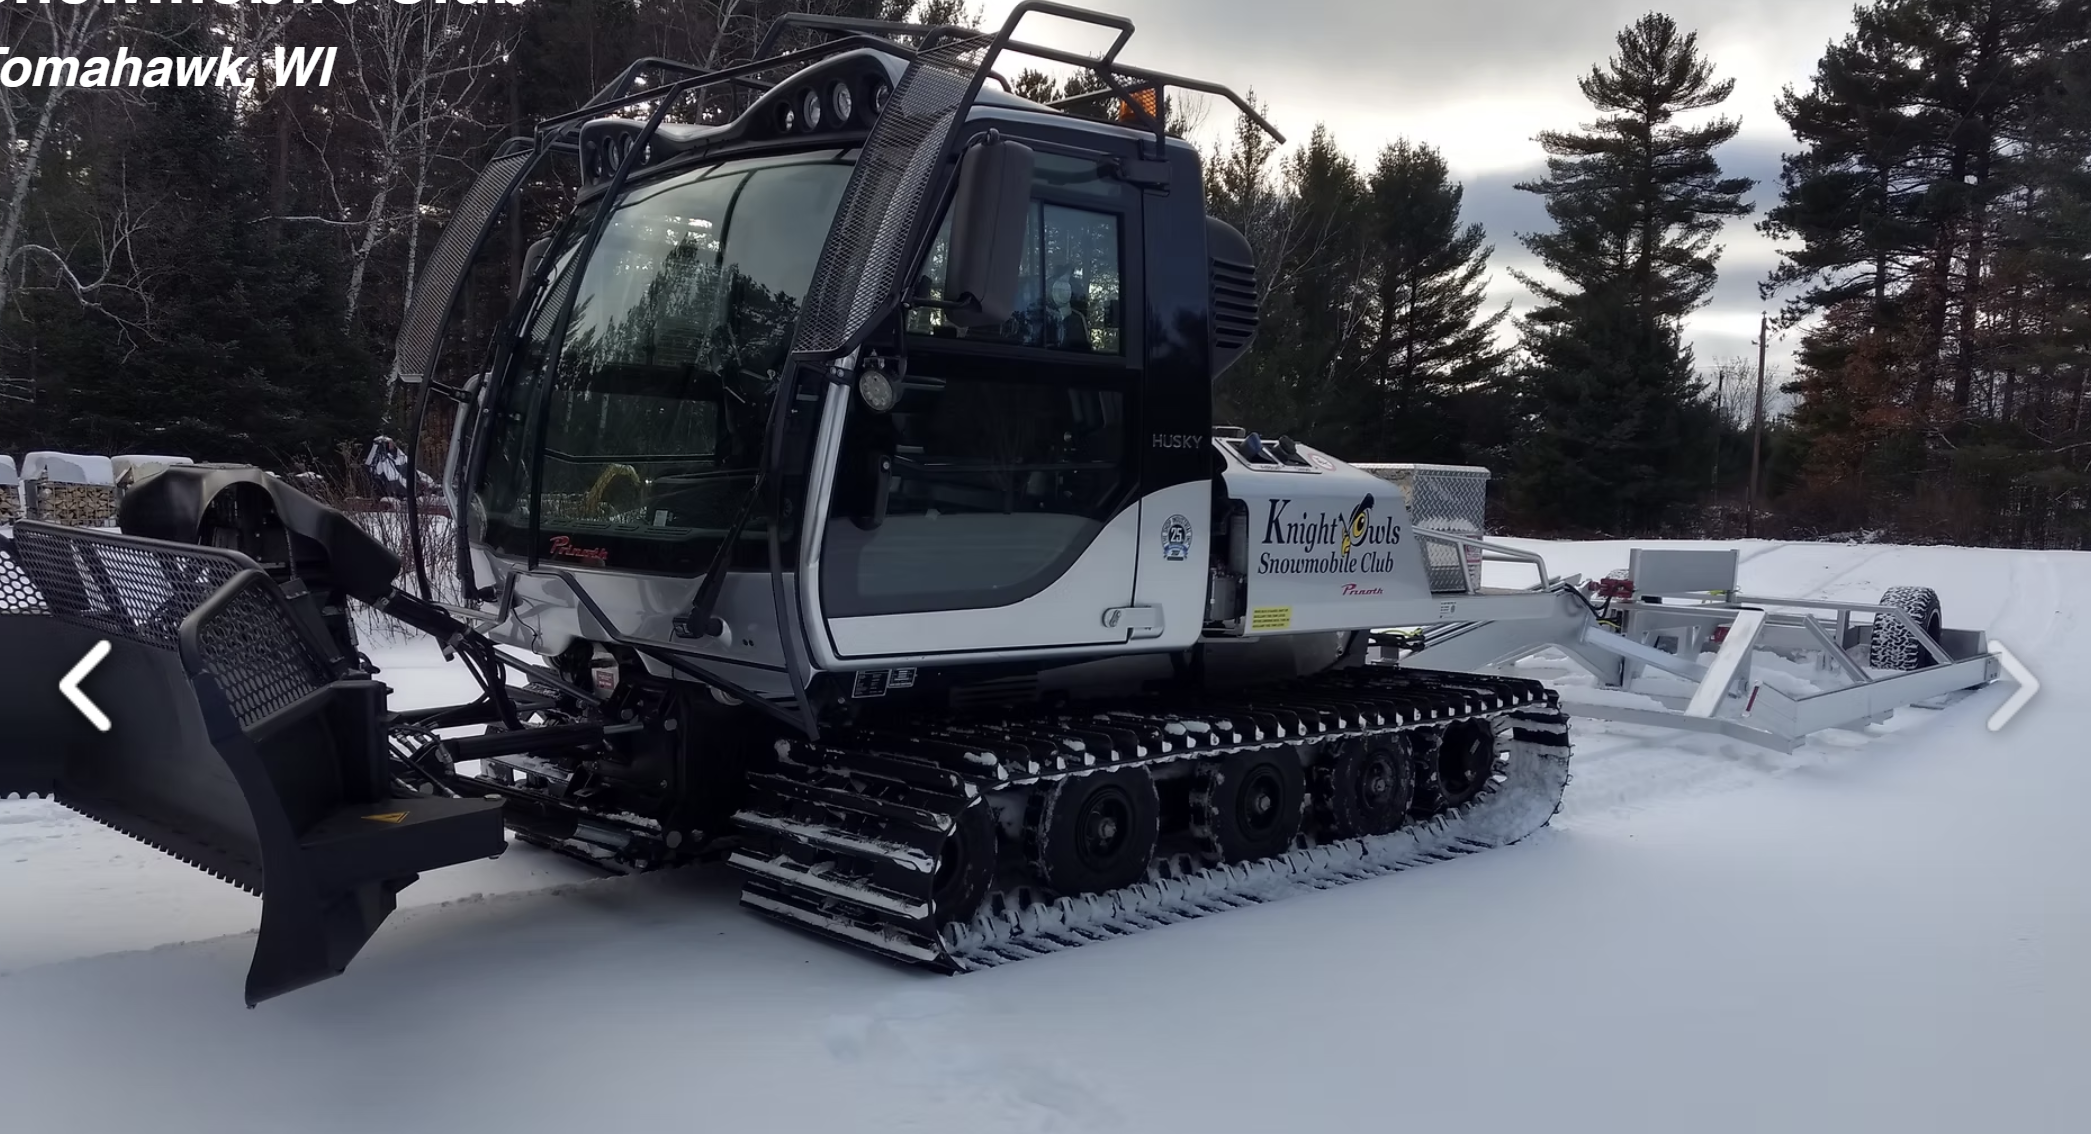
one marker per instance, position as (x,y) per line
(837,841)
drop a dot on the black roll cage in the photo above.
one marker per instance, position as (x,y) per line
(561,135)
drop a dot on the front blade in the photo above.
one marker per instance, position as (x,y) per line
(233,743)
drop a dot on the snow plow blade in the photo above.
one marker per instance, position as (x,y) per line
(236,739)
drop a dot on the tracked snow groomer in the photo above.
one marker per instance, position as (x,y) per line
(840,498)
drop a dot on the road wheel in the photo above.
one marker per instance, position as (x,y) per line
(1249,805)
(1457,767)
(966,866)
(1364,787)
(1096,832)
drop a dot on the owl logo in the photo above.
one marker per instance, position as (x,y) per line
(1360,520)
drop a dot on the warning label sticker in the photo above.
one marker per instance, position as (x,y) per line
(1270,618)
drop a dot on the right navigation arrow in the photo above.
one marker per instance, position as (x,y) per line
(2027,686)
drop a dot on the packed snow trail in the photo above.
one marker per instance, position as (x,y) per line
(1881,932)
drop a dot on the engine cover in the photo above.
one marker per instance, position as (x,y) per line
(1319,544)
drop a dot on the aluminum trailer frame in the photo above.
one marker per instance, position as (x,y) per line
(1686,601)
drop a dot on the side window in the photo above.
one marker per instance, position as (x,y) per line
(992,476)
(995,486)
(1070,298)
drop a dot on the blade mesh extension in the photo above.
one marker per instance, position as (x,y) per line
(836,840)
(143,592)
(260,660)
(119,586)
(876,229)
(420,333)
(19,597)
(17,594)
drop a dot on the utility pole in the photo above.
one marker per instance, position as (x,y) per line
(1756,431)
(1720,405)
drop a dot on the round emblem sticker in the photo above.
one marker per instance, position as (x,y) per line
(1176,537)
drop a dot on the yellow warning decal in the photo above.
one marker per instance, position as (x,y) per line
(388,817)
(1271,618)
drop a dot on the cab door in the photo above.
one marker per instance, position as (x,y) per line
(1010,519)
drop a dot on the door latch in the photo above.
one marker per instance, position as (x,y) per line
(1142,621)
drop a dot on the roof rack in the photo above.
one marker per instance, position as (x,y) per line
(1141,93)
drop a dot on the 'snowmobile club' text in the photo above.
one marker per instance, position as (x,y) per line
(1328,543)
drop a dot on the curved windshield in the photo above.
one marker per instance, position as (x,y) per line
(681,324)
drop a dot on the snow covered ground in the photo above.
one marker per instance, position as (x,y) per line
(1882,931)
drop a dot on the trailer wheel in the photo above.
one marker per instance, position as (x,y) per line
(1456,769)
(966,866)
(1250,805)
(1364,788)
(1892,646)
(1093,833)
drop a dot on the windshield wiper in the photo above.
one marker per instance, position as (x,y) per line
(707,474)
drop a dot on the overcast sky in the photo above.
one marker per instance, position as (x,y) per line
(1478,79)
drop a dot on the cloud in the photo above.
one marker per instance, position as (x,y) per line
(1478,79)
(1368,45)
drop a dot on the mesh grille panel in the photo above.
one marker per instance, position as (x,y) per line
(414,355)
(142,592)
(17,594)
(1444,498)
(257,656)
(119,588)
(866,252)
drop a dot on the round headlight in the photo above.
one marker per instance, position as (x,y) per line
(879,90)
(788,119)
(840,96)
(812,110)
(875,386)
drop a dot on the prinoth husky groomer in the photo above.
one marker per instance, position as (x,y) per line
(843,496)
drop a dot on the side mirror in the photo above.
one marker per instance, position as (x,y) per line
(987,231)
(535,253)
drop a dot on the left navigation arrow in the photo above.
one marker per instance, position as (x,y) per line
(70,686)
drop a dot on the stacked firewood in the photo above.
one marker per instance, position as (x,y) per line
(78,505)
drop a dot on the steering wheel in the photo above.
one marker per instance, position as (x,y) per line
(599,492)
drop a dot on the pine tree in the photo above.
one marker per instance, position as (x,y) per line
(1636,198)
(1637,201)
(1431,341)
(2045,348)
(1319,305)
(250,363)
(1035,85)
(1980,61)
(1920,210)
(1853,195)
(1265,392)
(1617,432)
